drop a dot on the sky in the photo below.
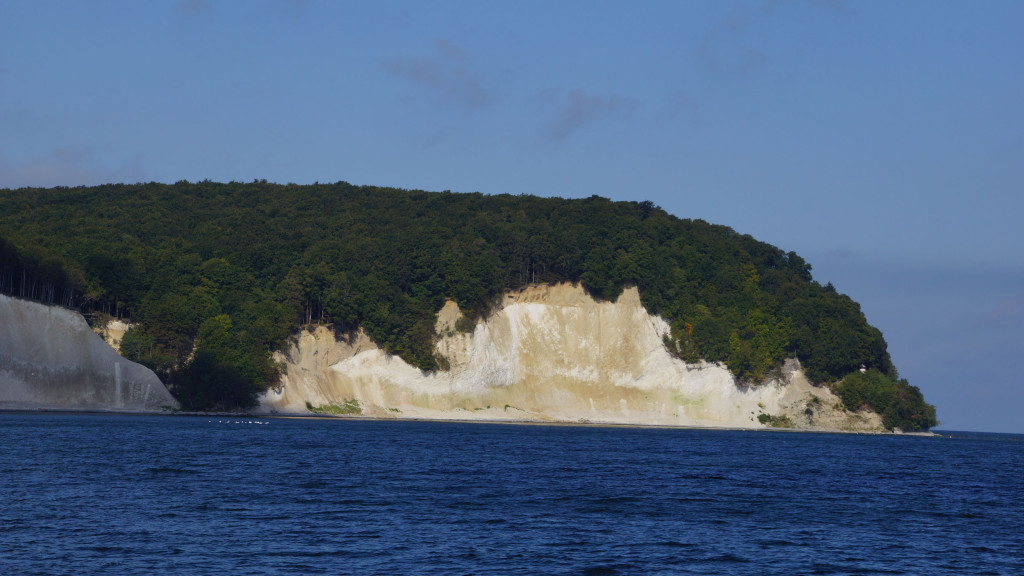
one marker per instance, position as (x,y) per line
(882,141)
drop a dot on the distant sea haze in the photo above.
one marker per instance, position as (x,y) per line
(120,494)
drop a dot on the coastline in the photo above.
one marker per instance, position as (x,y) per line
(511,422)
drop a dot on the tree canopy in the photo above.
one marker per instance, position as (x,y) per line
(218,274)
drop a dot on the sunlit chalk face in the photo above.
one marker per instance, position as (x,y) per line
(550,353)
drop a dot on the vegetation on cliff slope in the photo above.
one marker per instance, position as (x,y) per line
(220,274)
(900,404)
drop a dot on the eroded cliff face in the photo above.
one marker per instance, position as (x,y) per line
(549,353)
(51,359)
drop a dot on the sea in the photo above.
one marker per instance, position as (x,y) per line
(133,494)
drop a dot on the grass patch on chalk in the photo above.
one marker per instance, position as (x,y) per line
(350,406)
(775,421)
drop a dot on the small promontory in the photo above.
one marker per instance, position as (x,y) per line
(51,360)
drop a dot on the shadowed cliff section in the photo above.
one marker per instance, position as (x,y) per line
(51,360)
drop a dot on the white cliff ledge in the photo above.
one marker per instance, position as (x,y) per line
(51,360)
(550,354)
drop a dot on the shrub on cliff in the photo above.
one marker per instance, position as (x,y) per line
(900,404)
(205,384)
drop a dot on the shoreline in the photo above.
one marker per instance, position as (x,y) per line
(512,422)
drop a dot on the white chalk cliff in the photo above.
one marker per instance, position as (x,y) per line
(50,359)
(547,353)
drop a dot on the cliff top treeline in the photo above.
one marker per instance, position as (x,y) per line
(229,271)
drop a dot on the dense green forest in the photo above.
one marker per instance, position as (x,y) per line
(216,276)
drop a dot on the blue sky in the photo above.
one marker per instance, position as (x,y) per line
(883,141)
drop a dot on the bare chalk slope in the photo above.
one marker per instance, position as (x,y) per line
(548,353)
(51,360)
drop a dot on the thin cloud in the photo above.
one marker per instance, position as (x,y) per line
(726,48)
(291,7)
(681,105)
(723,48)
(66,166)
(682,101)
(451,51)
(448,73)
(841,254)
(580,109)
(193,8)
(1007,311)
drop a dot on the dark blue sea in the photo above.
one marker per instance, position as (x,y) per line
(110,494)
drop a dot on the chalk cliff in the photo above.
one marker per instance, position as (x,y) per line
(113,332)
(548,353)
(50,359)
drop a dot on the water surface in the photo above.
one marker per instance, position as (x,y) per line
(113,494)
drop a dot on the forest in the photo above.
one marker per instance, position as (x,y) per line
(216,276)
